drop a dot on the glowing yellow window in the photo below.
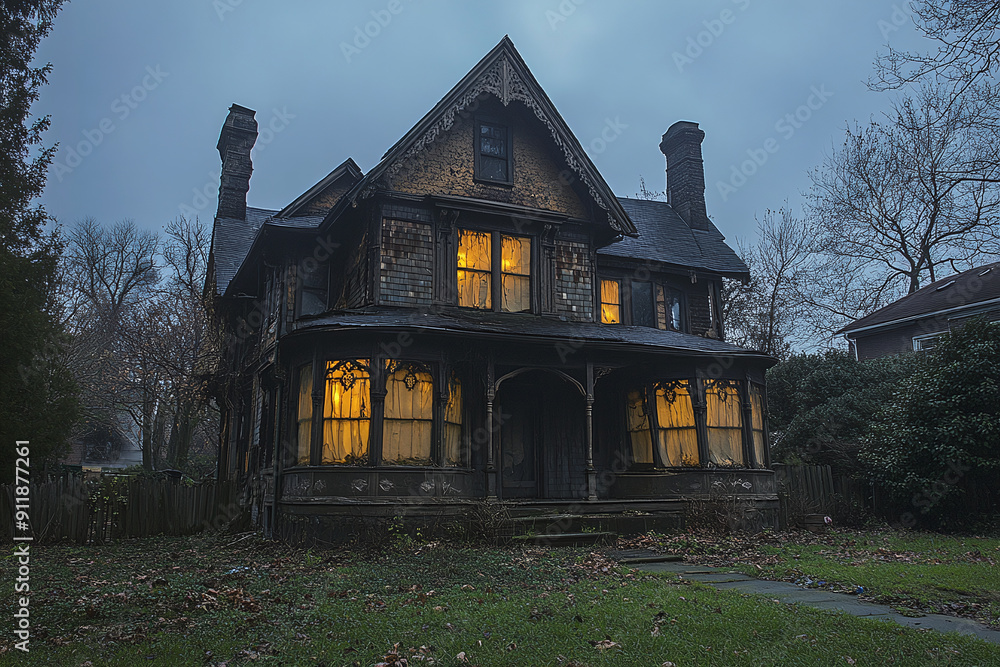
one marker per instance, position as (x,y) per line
(475,284)
(346,412)
(409,414)
(638,428)
(305,413)
(515,274)
(453,424)
(611,300)
(757,425)
(725,422)
(677,437)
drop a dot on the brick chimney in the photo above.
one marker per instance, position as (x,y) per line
(681,145)
(239,133)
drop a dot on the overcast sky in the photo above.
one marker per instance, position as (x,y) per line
(139,91)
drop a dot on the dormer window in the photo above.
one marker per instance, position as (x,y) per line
(487,278)
(493,150)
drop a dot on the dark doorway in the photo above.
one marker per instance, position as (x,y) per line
(542,443)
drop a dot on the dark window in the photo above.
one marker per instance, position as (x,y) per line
(669,309)
(493,153)
(643,312)
(312,297)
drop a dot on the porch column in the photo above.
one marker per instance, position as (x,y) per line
(589,435)
(492,481)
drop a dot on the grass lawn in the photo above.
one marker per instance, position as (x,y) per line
(914,571)
(214,600)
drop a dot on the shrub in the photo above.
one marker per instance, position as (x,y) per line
(820,406)
(936,445)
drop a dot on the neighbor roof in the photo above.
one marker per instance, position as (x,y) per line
(665,237)
(957,292)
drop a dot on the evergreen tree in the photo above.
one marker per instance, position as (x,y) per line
(37,396)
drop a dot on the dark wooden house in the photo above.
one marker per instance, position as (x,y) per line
(480,317)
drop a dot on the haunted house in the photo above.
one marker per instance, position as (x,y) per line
(479,317)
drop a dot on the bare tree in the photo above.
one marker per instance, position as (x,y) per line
(765,313)
(967,34)
(900,200)
(133,301)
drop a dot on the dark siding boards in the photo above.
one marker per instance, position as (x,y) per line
(698,307)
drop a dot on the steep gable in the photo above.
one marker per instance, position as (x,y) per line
(502,76)
(322,197)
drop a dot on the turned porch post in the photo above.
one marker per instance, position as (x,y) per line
(589,435)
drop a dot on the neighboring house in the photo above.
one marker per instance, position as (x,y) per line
(916,321)
(477,317)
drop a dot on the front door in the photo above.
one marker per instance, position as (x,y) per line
(518,439)
(542,449)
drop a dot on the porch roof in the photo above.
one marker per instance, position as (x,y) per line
(526,327)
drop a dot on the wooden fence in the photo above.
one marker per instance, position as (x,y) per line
(101,510)
(815,489)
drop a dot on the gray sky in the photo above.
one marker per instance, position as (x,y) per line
(139,90)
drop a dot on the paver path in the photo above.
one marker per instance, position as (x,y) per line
(811,597)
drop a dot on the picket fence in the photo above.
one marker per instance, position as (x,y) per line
(99,511)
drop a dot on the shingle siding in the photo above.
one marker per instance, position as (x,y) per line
(407,270)
(574,281)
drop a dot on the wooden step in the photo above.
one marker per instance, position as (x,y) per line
(567,539)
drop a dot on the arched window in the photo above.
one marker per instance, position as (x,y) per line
(757,424)
(409,414)
(677,435)
(346,412)
(724,417)
(304,415)
(453,423)
(639,434)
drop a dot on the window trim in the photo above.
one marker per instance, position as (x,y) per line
(601,302)
(477,154)
(919,340)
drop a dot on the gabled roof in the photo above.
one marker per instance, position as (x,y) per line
(231,241)
(956,293)
(502,73)
(665,237)
(348,169)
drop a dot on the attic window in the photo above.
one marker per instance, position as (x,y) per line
(493,149)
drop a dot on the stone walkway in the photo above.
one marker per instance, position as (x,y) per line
(810,597)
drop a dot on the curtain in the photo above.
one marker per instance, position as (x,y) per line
(757,425)
(346,412)
(638,428)
(305,413)
(453,425)
(610,302)
(515,270)
(409,413)
(678,437)
(725,422)
(474,269)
